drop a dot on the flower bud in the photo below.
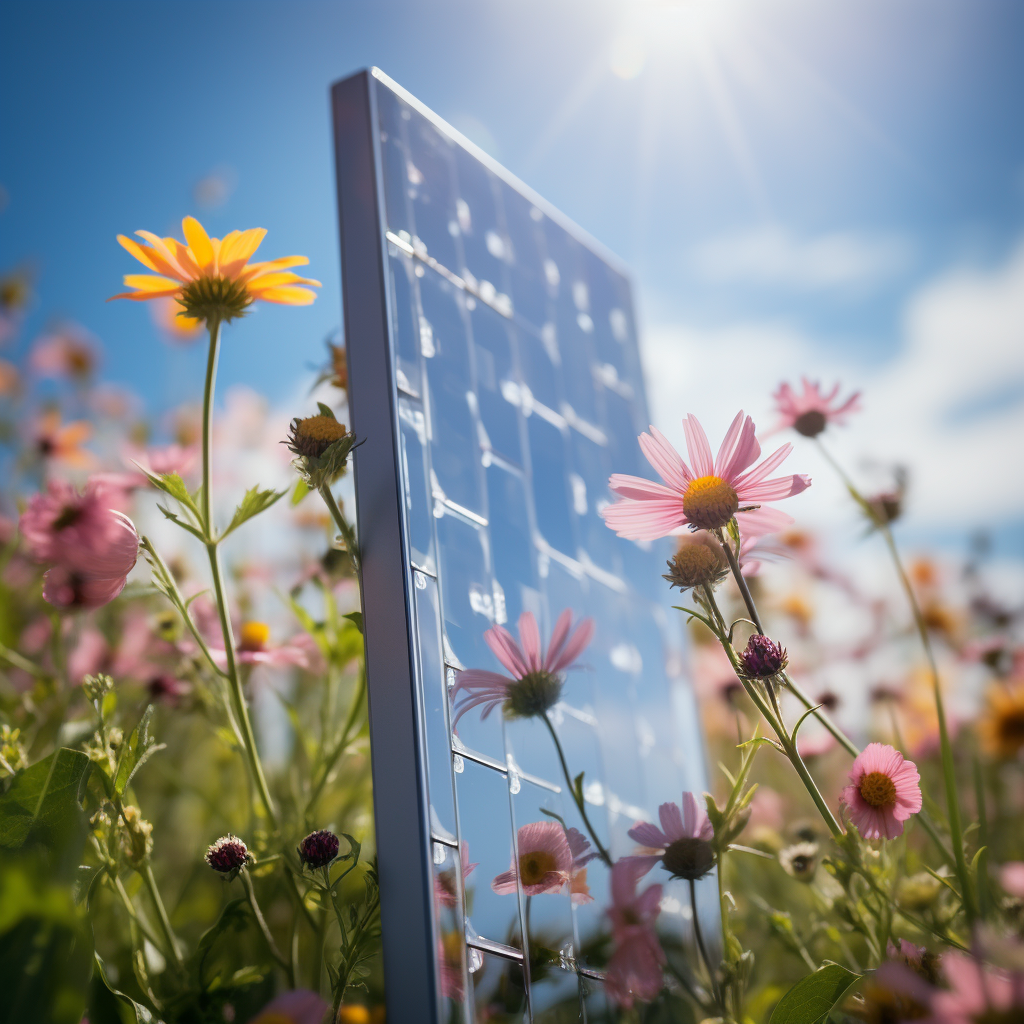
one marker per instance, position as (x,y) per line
(97,687)
(763,658)
(137,838)
(318,849)
(228,855)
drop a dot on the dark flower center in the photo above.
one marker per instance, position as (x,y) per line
(710,502)
(810,423)
(689,857)
(215,298)
(878,790)
(532,695)
(535,866)
(69,515)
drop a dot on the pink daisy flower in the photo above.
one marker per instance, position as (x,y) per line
(811,412)
(582,855)
(634,970)
(708,496)
(977,992)
(444,881)
(682,844)
(534,683)
(1011,878)
(884,790)
(544,864)
(254,648)
(79,531)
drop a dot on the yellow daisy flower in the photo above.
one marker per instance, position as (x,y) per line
(212,278)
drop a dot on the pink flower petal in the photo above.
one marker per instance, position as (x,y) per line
(650,835)
(761,471)
(773,490)
(666,460)
(738,450)
(506,650)
(698,448)
(574,646)
(529,640)
(672,821)
(638,488)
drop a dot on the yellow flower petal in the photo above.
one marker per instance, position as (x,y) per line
(199,242)
(233,260)
(161,250)
(183,254)
(140,252)
(289,296)
(283,263)
(275,280)
(150,283)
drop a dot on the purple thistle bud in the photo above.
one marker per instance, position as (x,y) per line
(318,849)
(228,855)
(763,657)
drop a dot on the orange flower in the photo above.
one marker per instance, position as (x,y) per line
(64,443)
(212,278)
(1001,725)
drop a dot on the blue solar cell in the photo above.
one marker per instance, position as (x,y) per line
(485,830)
(497,382)
(435,706)
(549,473)
(405,324)
(512,550)
(416,485)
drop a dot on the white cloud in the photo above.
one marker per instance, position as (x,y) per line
(949,403)
(772,256)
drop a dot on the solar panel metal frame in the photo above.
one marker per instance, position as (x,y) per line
(403,826)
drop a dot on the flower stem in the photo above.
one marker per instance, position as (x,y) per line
(773,714)
(956,833)
(578,799)
(339,750)
(699,936)
(250,894)
(347,533)
(212,542)
(161,914)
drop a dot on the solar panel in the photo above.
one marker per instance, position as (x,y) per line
(495,375)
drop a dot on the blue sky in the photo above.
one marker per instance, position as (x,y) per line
(797,185)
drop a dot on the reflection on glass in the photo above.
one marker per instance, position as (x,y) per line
(429,172)
(497,382)
(435,701)
(509,428)
(394,161)
(449,869)
(404,324)
(485,832)
(469,609)
(413,437)
(511,547)
(499,991)
(454,441)
(550,475)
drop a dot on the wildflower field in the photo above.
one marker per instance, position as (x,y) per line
(186,829)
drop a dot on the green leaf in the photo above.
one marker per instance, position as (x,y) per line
(44,803)
(173,516)
(326,410)
(301,490)
(356,618)
(254,502)
(812,999)
(127,1010)
(234,916)
(135,752)
(172,484)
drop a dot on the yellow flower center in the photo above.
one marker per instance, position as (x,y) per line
(710,502)
(535,865)
(254,636)
(321,428)
(878,790)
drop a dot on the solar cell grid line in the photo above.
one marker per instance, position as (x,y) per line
(495,374)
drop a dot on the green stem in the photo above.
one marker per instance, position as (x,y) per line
(19,661)
(161,914)
(578,799)
(339,750)
(347,533)
(129,907)
(234,680)
(956,833)
(250,893)
(699,936)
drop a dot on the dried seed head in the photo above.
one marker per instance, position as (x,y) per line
(228,855)
(699,561)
